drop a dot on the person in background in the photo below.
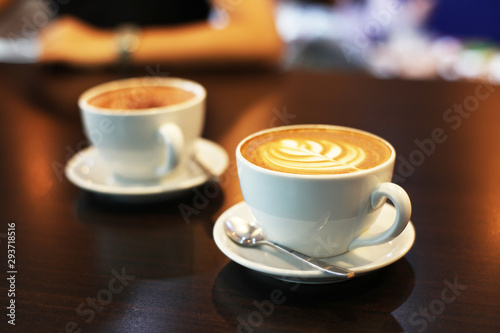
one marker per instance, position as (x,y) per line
(184,32)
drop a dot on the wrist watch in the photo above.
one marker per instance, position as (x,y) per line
(127,42)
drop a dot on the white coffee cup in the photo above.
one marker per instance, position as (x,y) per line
(322,215)
(149,143)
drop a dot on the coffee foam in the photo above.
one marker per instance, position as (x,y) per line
(140,98)
(316,151)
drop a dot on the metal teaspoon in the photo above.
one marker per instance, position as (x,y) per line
(245,233)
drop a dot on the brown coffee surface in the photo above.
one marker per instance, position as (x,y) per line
(140,98)
(316,151)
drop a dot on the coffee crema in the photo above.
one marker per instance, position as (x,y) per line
(315,151)
(140,98)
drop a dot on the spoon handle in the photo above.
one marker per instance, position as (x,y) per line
(317,263)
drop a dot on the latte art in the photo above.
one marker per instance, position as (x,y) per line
(321,156)
(316,151)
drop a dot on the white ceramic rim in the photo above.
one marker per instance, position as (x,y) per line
(361,173)
(188,85)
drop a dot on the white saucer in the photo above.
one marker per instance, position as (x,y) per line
(88,171)
(269,261)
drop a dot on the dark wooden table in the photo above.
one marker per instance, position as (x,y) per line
(88,265)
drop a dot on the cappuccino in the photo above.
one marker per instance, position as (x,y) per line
(318,188)
(316,150)
(152,124)
(140,98)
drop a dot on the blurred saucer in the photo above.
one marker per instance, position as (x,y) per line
(88,171)
(267,260)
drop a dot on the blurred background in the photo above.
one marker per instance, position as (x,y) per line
(413,39)
(417,39)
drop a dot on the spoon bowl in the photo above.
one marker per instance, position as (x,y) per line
(243,232)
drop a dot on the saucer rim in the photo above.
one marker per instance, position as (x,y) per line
(297,275)
(159,187)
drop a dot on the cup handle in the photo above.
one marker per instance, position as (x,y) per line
(401,201)
(172,137)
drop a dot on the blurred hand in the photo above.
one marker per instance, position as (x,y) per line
(248,36)
(70,40)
